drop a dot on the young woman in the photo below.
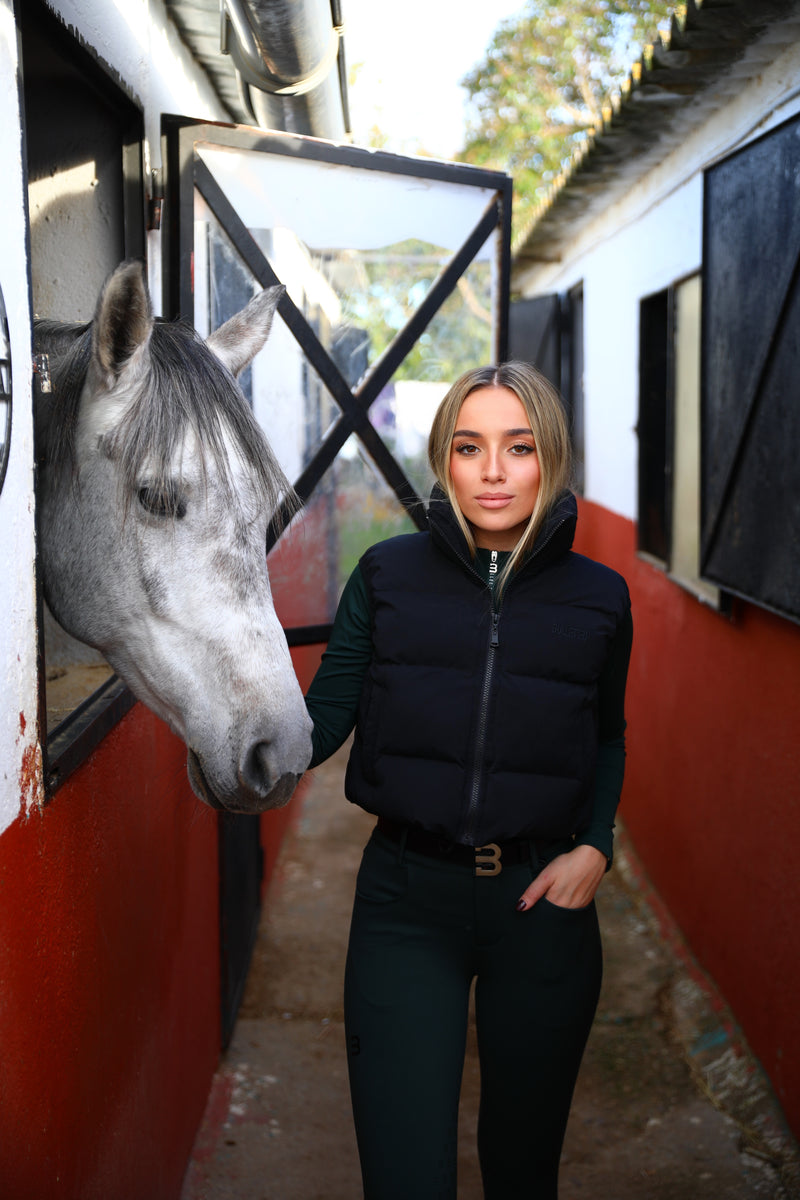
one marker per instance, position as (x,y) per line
(482,665)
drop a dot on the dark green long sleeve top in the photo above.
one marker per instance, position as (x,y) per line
(333,697)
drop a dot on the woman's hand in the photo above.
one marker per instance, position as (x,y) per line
(570,880)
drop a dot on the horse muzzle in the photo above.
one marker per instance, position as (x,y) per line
(256,789)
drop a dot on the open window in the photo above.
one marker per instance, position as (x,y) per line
(396,277)
(669,434)
(86,203)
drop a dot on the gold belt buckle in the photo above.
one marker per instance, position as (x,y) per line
(487,859)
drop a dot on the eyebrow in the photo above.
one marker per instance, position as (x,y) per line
(506,433)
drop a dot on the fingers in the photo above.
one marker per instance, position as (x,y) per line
(535,891)
(570,880)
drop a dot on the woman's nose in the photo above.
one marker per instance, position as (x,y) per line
(493,467)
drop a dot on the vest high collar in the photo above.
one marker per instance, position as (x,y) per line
(554,538)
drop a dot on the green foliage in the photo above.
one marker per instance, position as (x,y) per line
(389,287)
(543,83)
(365,518)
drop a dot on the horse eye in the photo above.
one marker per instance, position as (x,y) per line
(163,502)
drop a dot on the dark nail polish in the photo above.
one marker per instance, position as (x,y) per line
(521,906)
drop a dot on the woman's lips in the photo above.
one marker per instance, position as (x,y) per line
(496,500)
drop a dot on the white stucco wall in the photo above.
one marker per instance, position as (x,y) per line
(18,733)
(641,258)
(639,245)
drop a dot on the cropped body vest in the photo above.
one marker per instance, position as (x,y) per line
(480,722)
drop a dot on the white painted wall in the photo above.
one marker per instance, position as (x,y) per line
(18,732)
(639,245)
(641,258)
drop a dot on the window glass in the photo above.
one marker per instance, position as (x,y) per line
(685,548)
(359,271)
(669,434)
(287,397)
(315,202)
(356,273)
(351,508)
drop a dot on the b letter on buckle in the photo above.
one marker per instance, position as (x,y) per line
(487,859)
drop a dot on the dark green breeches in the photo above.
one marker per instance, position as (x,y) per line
(422,930)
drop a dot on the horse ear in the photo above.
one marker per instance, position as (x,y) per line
(239,340)
(123,320)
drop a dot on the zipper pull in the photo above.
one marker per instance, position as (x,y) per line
(495,640)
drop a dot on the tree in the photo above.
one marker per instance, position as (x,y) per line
(386,288)
(543,83)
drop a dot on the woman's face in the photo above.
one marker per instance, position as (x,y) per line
(494,467)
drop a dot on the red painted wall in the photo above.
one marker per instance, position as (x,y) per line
(712,789)
(109,973)
(109,976)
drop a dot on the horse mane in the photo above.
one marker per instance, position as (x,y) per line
(183,386)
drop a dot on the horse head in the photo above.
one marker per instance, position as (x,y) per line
(156,489)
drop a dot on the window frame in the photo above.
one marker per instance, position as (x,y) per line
(186,172)
(659,371)
(70,742)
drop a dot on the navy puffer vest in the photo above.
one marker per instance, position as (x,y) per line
(482,725)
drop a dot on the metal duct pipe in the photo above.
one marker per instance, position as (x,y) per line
(289,58)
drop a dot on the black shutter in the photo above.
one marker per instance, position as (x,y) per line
(534,334)
(547,331)
(654,425)
(750,486)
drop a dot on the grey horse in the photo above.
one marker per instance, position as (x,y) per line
(156,489)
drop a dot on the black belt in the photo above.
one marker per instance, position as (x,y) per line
(486,860)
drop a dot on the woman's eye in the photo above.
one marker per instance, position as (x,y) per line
(164,502)
(522,448)
(466,449)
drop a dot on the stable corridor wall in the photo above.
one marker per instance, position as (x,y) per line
(109,973)
(712,789)
(109,976)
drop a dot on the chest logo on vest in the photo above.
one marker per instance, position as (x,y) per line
(570,631)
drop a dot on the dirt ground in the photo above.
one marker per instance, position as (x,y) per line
(669,1105)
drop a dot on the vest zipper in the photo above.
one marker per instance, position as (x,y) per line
(468,826)
(480,739)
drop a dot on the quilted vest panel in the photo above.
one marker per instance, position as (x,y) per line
(475,741)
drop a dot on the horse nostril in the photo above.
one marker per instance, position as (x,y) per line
(255,772)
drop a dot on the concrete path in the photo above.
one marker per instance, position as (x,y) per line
(669,1105)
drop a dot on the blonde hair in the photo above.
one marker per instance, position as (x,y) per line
(548,423)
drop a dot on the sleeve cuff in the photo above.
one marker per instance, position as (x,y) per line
(601,837)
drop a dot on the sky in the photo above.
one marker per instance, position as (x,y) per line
(410,58)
